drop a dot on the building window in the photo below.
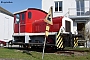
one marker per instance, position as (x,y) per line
(80,7)
(17,18)
(23,16)
(58,6)
(29,15)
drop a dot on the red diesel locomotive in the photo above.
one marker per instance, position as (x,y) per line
(29,29)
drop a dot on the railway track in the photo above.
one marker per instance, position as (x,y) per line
(58,52)
(72,52)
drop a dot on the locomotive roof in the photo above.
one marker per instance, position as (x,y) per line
(28,9)
(5,11)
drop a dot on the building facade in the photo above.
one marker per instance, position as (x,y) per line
(6,25)
(62,7)
(77,10)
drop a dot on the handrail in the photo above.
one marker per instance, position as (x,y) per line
(78,12)
(67,14)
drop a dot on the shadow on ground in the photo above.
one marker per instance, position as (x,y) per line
(37,49)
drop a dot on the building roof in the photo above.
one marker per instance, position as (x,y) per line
(5,11)
(87,17)
(20,11)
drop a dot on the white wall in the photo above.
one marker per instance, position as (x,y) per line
(66,4)
(6,27)
(71,4)
(46,4)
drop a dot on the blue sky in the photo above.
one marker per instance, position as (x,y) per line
(18,5)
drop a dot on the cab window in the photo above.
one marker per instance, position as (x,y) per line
(23,16)
(29,15)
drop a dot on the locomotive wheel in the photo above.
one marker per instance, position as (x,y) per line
(26,46)
(48,47)
(49,41)
(60,49)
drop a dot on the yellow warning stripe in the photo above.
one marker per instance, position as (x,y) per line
(58,34)
(59,42)
(76,45)
(61,45)
(58,39)
(75,42)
